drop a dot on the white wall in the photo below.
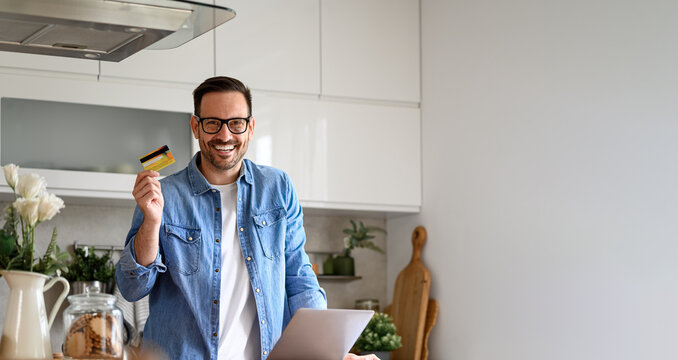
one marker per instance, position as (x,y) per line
(550,139)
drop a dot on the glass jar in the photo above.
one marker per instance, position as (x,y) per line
(367,304)
(93,326)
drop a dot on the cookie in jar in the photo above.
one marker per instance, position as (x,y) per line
(93,326)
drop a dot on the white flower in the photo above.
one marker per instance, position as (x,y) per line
(11,175)
(28,210)
(31,185)
(50,205)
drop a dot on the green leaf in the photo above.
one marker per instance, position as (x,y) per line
(10,220)
(372,246)
(7,244)
(377,229)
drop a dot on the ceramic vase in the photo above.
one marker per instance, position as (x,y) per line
(25,334)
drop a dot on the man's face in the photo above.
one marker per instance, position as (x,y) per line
(223,150)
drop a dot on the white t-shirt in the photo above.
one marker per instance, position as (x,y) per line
(238,323)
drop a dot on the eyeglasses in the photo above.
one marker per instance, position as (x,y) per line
(213,125)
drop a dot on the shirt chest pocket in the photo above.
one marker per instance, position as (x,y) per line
(182,249)
(271,228)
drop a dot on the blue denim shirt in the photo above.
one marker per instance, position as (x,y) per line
(183,281)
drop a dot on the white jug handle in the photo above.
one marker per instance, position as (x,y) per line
(60,299)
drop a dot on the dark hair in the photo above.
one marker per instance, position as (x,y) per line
(220,84)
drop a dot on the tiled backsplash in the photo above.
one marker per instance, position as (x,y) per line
(106,225)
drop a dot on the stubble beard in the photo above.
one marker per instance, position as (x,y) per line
(213,159)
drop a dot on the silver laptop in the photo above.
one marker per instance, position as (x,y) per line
(314,334)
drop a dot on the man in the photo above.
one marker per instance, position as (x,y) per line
(223,259)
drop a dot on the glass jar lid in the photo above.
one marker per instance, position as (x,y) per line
(93,296)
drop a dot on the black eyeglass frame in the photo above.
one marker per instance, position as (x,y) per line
(224,121)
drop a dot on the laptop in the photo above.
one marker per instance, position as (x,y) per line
(314,334)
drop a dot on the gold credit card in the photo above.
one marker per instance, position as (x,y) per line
(157,159)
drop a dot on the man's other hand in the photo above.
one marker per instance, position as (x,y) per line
(356,357)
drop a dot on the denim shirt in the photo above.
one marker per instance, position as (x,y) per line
(184,280)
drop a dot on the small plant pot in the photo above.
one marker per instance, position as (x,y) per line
(382,355)
(344,265)
(328,266)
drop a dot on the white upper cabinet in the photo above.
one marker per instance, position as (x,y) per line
(271,45)
(125,126)
(342,155)
(370,49)
(190,63)
(13,60)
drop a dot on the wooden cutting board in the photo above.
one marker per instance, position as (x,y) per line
(410,301)
(431,316)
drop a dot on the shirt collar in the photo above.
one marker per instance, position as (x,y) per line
(198,182)
(246,171)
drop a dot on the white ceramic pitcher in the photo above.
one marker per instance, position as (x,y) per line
(25,334)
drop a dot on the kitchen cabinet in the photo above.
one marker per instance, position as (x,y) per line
(271,45)
(355,147)
(190,63)
(15,62)
(342,155)
(370,49)
(128,124)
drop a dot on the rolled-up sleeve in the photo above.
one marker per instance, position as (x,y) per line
(303,290)
(134,280)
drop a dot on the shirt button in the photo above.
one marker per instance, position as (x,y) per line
(257,290)
(265,352)
(190,238)
(217,209)
(216,302)
(263,223)
(242,229)
(263,322)
(217,240)
(239,199)
(249,258)
(215,334)
(216,270)
(214,190)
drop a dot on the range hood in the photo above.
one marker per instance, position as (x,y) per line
(108,30)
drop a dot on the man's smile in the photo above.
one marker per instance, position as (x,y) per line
(224,149)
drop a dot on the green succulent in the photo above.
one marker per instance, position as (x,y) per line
(359,236)
(379,335)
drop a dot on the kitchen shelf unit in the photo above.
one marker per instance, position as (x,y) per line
(321,277)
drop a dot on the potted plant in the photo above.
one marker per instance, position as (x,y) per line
(356,236)
(89,269)
(26,330)
(379,337)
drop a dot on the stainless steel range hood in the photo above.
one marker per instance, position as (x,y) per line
(108,30)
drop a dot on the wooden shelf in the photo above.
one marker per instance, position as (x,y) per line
(339,277)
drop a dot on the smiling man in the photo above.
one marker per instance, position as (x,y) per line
(219,245)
